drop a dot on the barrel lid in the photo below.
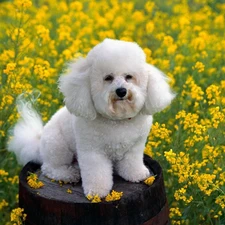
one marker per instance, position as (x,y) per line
(138,204)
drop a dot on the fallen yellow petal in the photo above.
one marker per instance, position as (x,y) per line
(149,181)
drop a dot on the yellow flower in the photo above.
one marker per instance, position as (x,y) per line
(93,198)
(159,131)
(18,216)
(68,54)
(118,22)
(23,3)
(113,196)
(43,33)
(219,21)
(148,54)
(138,16)
(16,34)
(64,32)
(60,183)
(76,5)
(213,94)
(170,156)
(198,43)
(181,194)
(149,181)
(33,182)
(220,200)
(172,49)
(7,55)
(3,173)
(205,182)
(89,197)
(175,212)
(3,203)
(14,180)
(167,41)
(9,68)
(150,27)
(199,66)
(149,6)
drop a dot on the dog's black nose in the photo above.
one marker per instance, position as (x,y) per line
(121,92)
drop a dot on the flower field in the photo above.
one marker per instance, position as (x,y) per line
(184,38)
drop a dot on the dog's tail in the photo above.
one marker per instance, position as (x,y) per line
(25,136)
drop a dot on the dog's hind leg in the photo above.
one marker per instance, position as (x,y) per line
(58,156)
(66,173)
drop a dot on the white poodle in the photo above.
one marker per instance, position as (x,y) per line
(110,98)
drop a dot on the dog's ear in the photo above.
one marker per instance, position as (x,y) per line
(77,89)
(159,95)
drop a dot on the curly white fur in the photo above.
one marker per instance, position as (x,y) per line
(102,126)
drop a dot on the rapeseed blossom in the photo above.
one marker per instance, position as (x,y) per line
(199,66)
(34,182)
(149,181)
(114,196)
(93,198)
(69,191)
(3,203)
(18,216)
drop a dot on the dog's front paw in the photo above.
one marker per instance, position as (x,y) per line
(140,175)
(101,190)
(134,174)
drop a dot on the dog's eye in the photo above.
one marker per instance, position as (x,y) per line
(128,77)
(109,78)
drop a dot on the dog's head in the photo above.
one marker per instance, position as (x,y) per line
(115,81)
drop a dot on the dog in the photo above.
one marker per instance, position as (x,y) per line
(110,97)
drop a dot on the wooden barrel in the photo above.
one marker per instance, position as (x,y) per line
(53,205)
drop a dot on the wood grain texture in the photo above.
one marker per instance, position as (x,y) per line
(52,205)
